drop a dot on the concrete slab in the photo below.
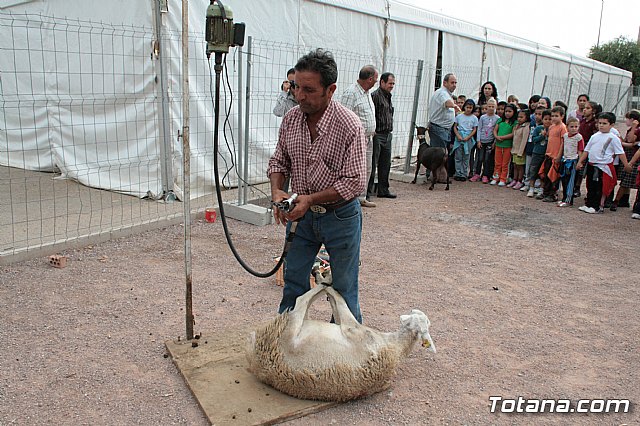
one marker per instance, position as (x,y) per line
(249,213)
(216,372)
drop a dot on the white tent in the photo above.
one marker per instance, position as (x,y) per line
(93,89)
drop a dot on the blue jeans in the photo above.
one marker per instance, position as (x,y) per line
(340,231)
(439,136)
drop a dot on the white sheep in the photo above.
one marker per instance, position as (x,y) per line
(317,360)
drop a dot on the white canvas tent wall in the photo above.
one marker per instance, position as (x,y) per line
(97,144)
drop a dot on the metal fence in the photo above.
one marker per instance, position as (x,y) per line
(62,83)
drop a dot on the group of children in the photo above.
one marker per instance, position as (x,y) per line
(536,147)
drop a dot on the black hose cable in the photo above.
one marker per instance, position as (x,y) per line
(294,225)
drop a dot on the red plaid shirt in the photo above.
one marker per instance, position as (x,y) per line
(335,159)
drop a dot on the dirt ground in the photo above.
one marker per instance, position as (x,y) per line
(525,299)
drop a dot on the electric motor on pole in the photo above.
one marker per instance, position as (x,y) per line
(220,31)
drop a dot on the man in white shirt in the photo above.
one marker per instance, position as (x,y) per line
(442,112)
(358,99)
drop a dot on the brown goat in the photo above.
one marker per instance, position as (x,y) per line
(433,159)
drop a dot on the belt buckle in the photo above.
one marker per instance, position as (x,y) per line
(318,209)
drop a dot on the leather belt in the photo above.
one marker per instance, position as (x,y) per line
(324,208)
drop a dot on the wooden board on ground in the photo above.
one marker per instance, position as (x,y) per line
(216,372)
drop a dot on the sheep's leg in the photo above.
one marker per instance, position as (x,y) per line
(341,313)
(447,172)
(299,313)
(434,178)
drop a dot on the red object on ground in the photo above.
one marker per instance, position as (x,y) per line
(210,215)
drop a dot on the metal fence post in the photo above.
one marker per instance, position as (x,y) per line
(165,144)
(414,114)
(186,171)
(570,90)
(544,83)
(239,164)
(617,99)
(245,166)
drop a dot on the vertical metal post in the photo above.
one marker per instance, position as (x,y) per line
(414,114)
(165,145)
(488,73)
(186,173)
(239,164)
(617,98)
(245,167)
(570,90)
(604,97)
(590,80)
(544,84)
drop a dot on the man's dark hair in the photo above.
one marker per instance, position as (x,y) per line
(609,116)
(385,76)
(446,76)
(585,95)
(322,62)
(367,72)
(291,71)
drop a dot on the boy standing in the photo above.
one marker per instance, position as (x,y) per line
(553,156)
(572,147)
(601,173)
(539,139)
(486,140)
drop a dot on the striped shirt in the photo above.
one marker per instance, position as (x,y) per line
(357,100)
(335,159)
(384,110)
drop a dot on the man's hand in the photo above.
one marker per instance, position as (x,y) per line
(277,196)
(300,207)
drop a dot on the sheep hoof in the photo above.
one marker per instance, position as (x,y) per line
(431,188)
(413,181)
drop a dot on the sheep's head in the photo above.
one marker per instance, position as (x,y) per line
(418,322)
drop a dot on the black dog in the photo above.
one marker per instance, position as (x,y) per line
(433,159)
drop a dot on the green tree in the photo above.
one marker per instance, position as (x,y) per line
(621,52)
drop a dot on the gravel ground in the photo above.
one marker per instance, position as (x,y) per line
(525,299)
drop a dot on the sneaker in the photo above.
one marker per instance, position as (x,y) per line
(512,184)
(485,179)
(367,203)
(496,178)
(538,191)
(493,182)
(589,210)
(537,183)
(576,194)
(518,186)
(501,183)
(530,193)
(562,204)
(549,199)
(475,178)
(525,187)
(614,207)
(539,196)
(635,216)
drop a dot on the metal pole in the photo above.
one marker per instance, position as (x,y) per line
(414,114)
(570,90)
(600,25)
(606,90)
(619,98)
(239,165)
(186,174)
(544,83)
(245,167)
(165,145)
